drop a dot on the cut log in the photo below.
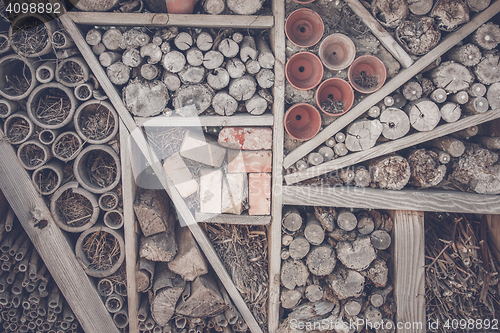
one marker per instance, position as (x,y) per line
(314,158)
(378,273)
(373,112)
(229,48)
(452,77)
(450,14)
(108,58)
(235,67)
(133,38)
(161,246)
(477,105)
(313,231)
(234,193)
(326,216)
(294,273)
(412,90)
(285,254)
(424,114)
(132,58)
(418,35)
(167,289)
(290,298)
(173,61)
(353,307)
(194,56)
(204,41)
(191,100)
(389,13)
(292,220)
(299,248)
(171,80)
(314,293)
(189,262)
(466,133)
(490,142)
(450,112)
(218,79)
(192,74)
(213,59)
(388,101)
(361,177)
(363,134)
(426,170)
(477,90)
(286,240)
(488,70)
(152,53)
(248,49)
(266,57)
(346,283)
(146,98)
(395,122)
(321,260)
(144,274)
(314,310)
(165,47)
(443,157)
(327,153)
(346,220)
(183,41)
(467,55)
(365,224)
(252,66)
(347,175)
(439,95)
(256,105)
(487,36)
(237,37)
(118,73)
(265,78)
(111,39)
(380,239)
(493,95)
(427,86)
(357,255)
(214,7)
(205,299)
(340,149)
(478,5)
(373,317)
(98,48)
(151,209)
(150,72)
(420,7)
(399,101)
(224,104)
(340,137)
(244,7)
(243,88)
(452,146)
(93,37)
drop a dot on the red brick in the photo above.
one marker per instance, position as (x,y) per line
(249,161)
(259,193)
(246,138)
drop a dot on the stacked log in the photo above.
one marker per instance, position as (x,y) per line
(337,271)
(187,71)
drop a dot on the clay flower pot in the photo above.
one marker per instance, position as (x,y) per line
(304,70)
(304,27)
(302,2)
(364,69)
(180,6)
(302,121)
(337,51)
(335,89)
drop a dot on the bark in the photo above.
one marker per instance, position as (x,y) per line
(191,100)
(326,216)
(167,289)
(426,170)
(424,114)
(346,283)
(189,262)
(467,55)
(390,13)
(489,142)
(144,274)
(204,300)
(450,14)
(293,274)
(161,246)
(395,122)
(146,99)
(450,112)
(466,133)
(363,134)
(418,35)
(378,273)
(321,260)
(452,146)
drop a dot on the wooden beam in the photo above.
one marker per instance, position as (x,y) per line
(233,219)
(138,136)
(391,146)
(179,20)
(409,269)
(494,233)
(392,85)
(236,120)
(369,198)
(274,231)
(52,245)
(131,238)
(378,31)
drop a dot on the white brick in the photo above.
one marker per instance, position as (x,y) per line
(210,191)
(234,193)
(180,175)
(196,147)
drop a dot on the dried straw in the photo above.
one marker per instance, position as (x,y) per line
(67,146)
(18,130)
(97,124)
(46,180)
(30,37)
(101,249)
(74,209)
(53,106)
(32,155)
(100,168)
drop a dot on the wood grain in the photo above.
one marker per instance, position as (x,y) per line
(392,85)
(131,237)
(369,198)
(274,239)
(409,269)
(233,219)
(235,120)
(378,30)
(52,245)
(494,233)
(391,146)
(179,20)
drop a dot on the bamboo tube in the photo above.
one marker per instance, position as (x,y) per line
(33,265)
(120,318)
(54,169)
(32,285)
(9,240)
(11,63)
(23,264)
(14,118)
(22,154)
(7,108)
(21,246)
(77,61)
(5,297)
(91,106)
(142,313)
(11,276)
(16,300)
(7,264)
(121,289)
(34,297)
(149,323)
(65,325)
(26,279)
(68,315)
(46,72)
(108,201)
(4,43)
(17,287)
(42,308)
(9,219)
(180,322)
(47,136)
(3,281)
(114,303)
(63,154)
(113,219)
(61,40)
(105,287)
(83,92)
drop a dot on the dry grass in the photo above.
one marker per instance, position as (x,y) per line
(101,249)
(74,209)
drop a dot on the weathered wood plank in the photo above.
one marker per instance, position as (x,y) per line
(233,219)
(235,120)
(391,85)
(131,238)
(378,31)
(274,234)
(52,245)
(369,198)
(391,146)
(180,20)
(409,269)
(494,233)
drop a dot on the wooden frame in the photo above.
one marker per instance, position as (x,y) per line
(235,120)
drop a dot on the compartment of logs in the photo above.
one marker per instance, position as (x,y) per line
(334,271)
(187,72)
(69,147)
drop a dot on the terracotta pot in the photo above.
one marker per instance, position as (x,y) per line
(304,27)
(335,89)
(180,6)
(303,1)
(371,66)
(302,121)
(337,51)
(304,70)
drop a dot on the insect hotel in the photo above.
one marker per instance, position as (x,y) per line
(261,166)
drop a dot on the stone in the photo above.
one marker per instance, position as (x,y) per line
(234,193)
(249,161)
(259,193)
(210,191)
(197,148)
(180,175)
(246,138)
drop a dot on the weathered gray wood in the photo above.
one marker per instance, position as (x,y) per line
(204,300)
(234,219)
(167,289)
(450,14)
(151,208)
(189,262)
